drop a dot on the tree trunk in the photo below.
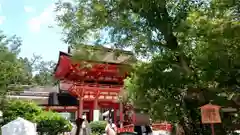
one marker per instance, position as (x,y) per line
(179,130)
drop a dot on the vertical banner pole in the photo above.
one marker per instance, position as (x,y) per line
(212,127)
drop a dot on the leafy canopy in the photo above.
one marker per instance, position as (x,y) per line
(17,71)
(11,69)
(193,48)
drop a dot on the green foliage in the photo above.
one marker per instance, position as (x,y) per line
(49,123)
(16,72)
(42,70)
(45,71)
(17,108)
(98,127)
(193,47)
(141,25)
(11,68)
(52,123)
(212,50)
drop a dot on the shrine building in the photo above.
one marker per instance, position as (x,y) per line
(94,90)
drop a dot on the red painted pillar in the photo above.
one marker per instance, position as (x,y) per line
(133,116)
(80,107)
(115,114)
(91,111)
(121,111)
(96,104)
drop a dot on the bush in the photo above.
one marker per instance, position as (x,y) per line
(98,127)
(48,121)
(17,108)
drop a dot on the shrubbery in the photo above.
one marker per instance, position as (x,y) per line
(16,108)
(49,123)
(98,127)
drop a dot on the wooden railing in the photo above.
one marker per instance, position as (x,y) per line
(127,128)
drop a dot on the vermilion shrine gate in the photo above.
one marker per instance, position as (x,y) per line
(95,88)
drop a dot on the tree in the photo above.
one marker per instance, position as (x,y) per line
(11,74)
(212,47)
(16,72)
(194,48)
(38,71)
(44,73)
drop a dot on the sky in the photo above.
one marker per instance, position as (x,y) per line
(30,20)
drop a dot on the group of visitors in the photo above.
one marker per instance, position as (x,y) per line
(82,127)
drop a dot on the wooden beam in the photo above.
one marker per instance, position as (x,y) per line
(229,109)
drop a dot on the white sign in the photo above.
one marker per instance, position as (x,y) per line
(19,126)
(96,114)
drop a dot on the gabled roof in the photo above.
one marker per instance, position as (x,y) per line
(107,55)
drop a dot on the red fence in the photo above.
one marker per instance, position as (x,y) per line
(155,126)
(162,126)
(127,128)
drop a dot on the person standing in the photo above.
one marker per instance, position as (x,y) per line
(86,129)
(76,130)
(111,128)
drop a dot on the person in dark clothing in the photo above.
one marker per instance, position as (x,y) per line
(79,122)
(139,130)
(148,129)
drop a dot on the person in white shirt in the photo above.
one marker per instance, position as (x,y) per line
(86,129)
(111,128)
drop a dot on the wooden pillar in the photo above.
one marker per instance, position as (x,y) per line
(115,114)
(91,112)
(133,116)
(96,104)
(80,107)
(115,117)
(121,113)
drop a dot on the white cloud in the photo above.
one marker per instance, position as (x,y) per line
(70,1)
(2,19)
(29,9)
(45,18)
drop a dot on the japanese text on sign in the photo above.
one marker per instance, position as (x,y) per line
(210,114)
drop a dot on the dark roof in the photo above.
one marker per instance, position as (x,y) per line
(43,89)
(70,55)
(108,55)
(97,47)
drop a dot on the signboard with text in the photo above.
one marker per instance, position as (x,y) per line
(210,114)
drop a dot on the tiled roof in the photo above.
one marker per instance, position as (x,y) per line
(109,55)
(36,91)
(43,89)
